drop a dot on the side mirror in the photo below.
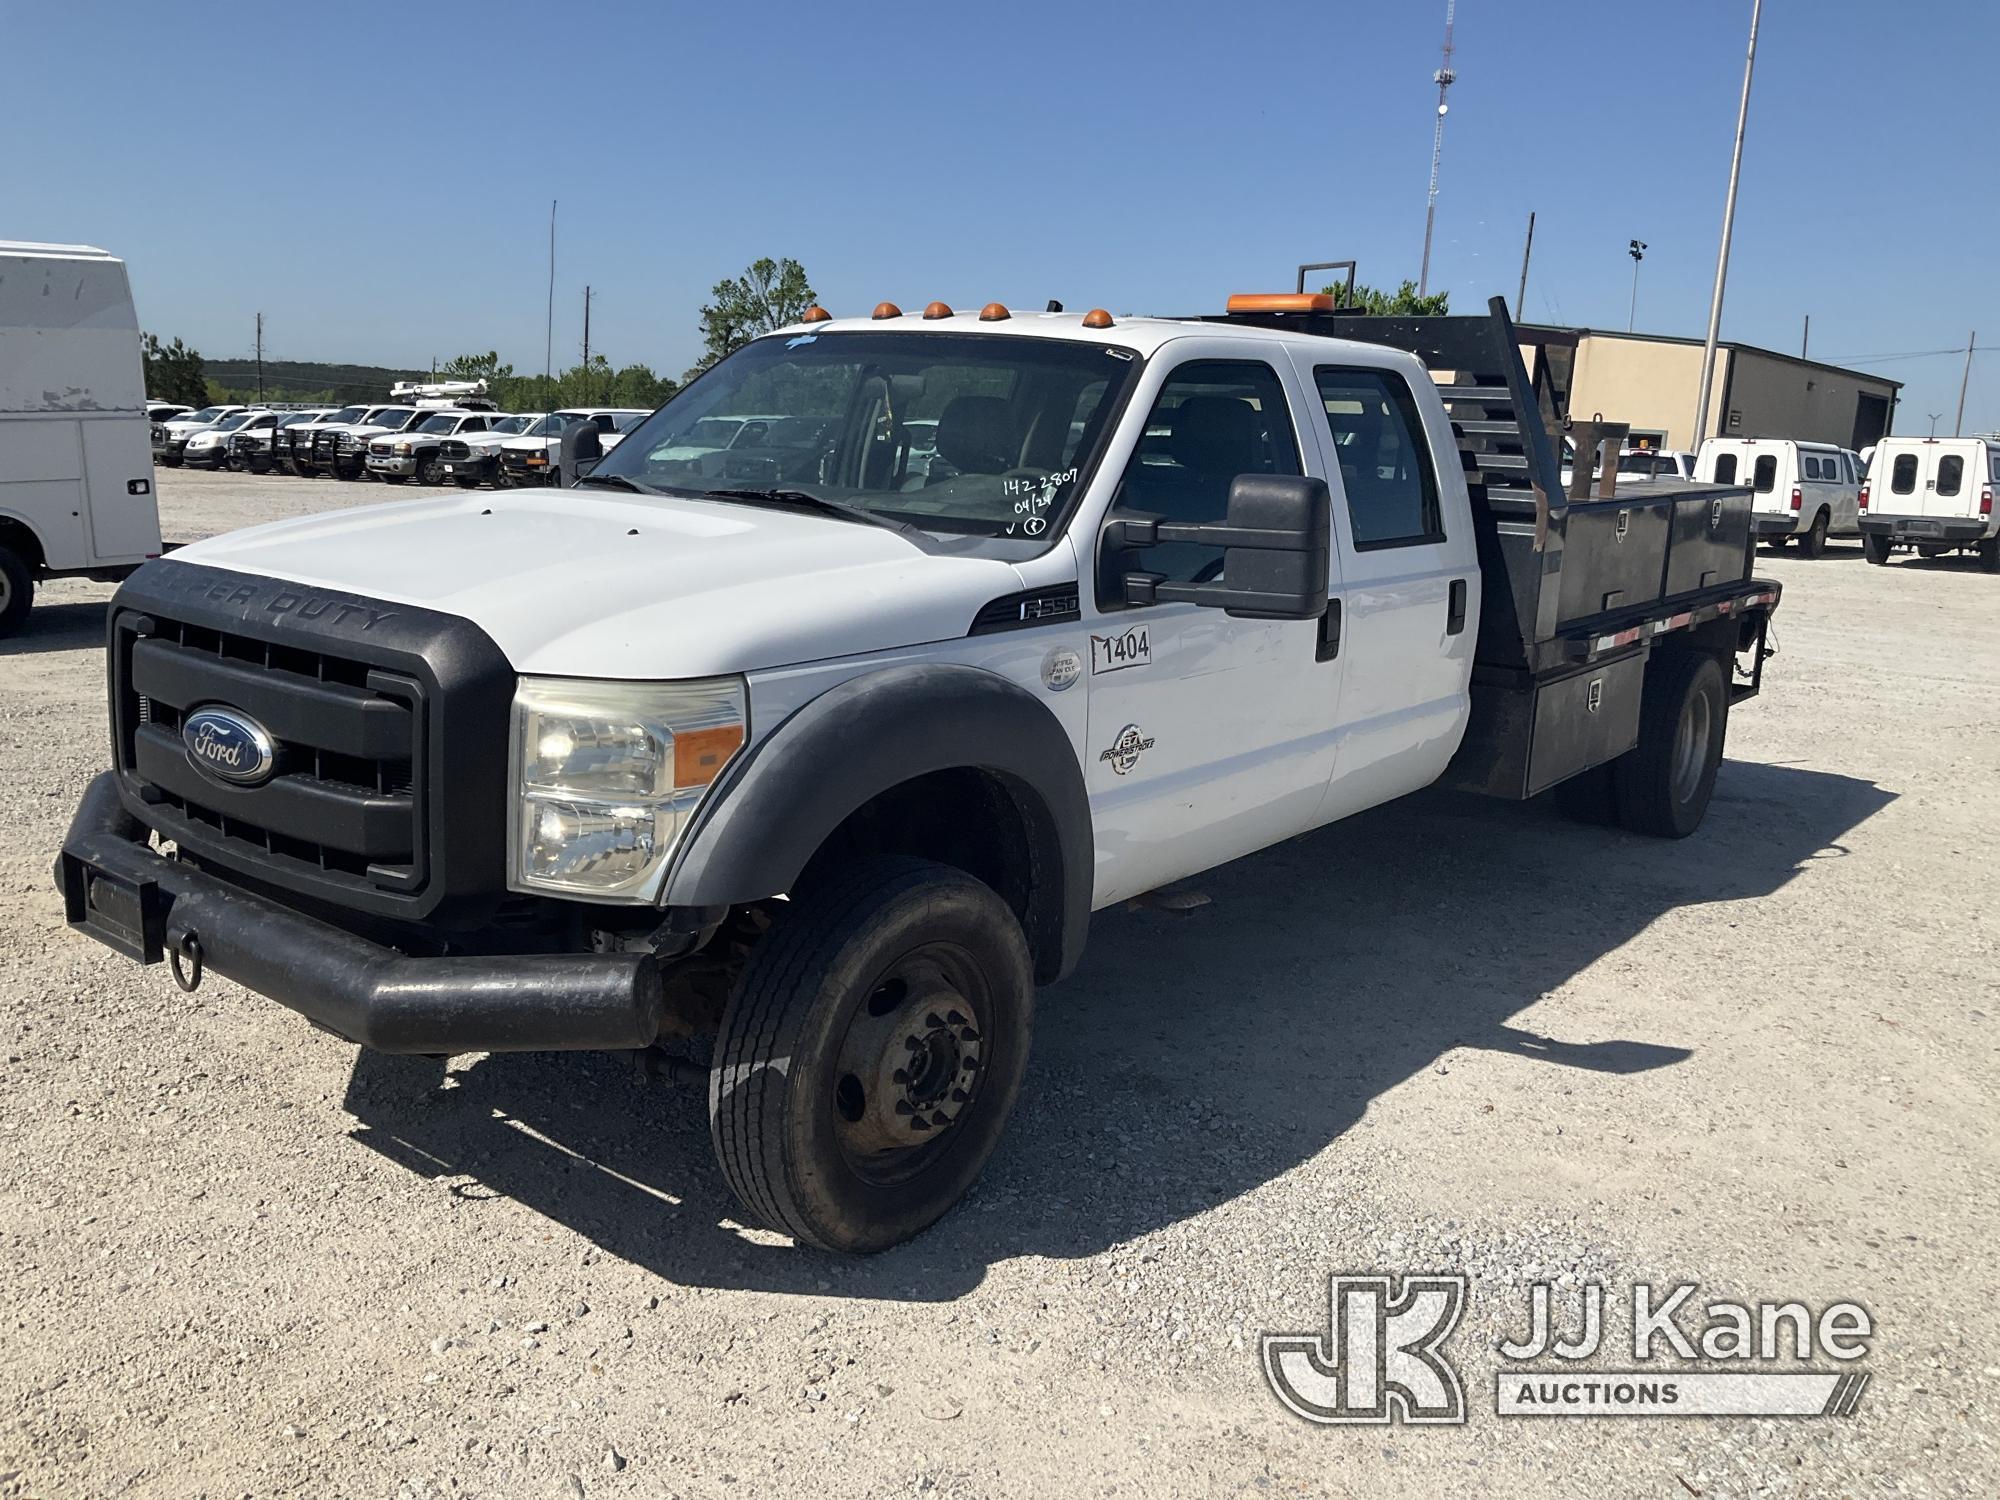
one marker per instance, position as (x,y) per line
(1277,543)
(577,452)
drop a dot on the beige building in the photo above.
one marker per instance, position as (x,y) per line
(1651,383)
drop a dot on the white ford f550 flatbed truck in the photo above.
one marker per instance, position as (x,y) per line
(1006,618)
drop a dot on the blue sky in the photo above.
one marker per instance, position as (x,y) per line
(377,182)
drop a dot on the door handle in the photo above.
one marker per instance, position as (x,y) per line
(1329,632)
(1454,619)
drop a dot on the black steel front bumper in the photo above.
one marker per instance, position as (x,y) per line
(1770,526)
(1955,529)
(119,890)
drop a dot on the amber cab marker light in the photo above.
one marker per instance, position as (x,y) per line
(887,310)
(937,310)
(994,312)
(1097,317)
(1281,302)
(816,314)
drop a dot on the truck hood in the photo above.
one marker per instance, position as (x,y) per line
(580,583)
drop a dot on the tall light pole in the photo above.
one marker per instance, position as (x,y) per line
(1444,77)
(1964,381)
(1638,253)
(1728,227)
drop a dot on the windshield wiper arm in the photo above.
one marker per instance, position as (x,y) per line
(614,481)
(836,508)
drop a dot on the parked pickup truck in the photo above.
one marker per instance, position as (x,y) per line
(531,458)
(1933,494)
(836,772)
(417,452)
(473,458)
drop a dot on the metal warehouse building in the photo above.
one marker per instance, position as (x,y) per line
(1651,382)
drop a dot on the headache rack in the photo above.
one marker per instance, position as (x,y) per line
(1575,592)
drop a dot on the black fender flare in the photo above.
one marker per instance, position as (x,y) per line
(777,806)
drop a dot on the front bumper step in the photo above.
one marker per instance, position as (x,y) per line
(119,890)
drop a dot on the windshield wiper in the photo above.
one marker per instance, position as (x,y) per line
(807,500)
(616,482)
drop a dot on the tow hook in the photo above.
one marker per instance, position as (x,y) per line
(187,951)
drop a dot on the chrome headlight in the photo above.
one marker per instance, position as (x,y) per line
(607,774)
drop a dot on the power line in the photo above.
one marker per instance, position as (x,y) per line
(1844,359)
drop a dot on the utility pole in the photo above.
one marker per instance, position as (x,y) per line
(1526,251)
(1805,340)
(549,333)
(1638,253)
(1728,226)
(586,338)
(1444,78)
(260,363)
(1958,427)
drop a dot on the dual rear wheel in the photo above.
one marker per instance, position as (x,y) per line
(1662,785)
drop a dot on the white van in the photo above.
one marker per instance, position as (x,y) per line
(1934,494)
(1807,490)
(76,467)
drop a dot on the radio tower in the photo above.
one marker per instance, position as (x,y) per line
(1444,78)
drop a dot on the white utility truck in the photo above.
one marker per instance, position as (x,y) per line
(1934,494)
(76,464)
(1805,490)
(835,765)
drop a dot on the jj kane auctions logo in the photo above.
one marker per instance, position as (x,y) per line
(1382,1358)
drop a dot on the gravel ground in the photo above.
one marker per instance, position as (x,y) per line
(237,1258)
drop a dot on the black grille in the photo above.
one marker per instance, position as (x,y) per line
(453,448)
(343,805)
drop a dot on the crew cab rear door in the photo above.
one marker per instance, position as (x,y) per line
(1409,570)
(1209,736)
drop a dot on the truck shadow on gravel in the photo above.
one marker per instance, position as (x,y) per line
(58,627)
(1194,1057)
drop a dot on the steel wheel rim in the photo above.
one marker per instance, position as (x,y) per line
(911,1064)
(1690,747)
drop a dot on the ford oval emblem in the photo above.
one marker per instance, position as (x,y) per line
(229,746)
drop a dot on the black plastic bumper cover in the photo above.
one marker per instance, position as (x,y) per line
(119,890)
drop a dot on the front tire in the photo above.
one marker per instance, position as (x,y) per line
(1664,783)
(17,590)
(430,470)
(871,1053)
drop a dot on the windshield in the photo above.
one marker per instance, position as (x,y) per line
(1644,463)
(552,424)
(512,424)
(230,424)
(300,418)
(206,414)
(388,416)
(1003,427)
(630,420)
(438,424)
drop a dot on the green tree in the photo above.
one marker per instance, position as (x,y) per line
(1403,302)
(485,367)
(770,294)
(174,372)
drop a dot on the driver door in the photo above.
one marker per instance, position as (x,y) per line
(1209,736)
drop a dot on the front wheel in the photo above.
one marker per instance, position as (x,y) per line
(1664,783)
(430,470)
(871,1053)
(1875,547)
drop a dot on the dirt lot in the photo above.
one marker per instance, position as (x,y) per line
(238,1259)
